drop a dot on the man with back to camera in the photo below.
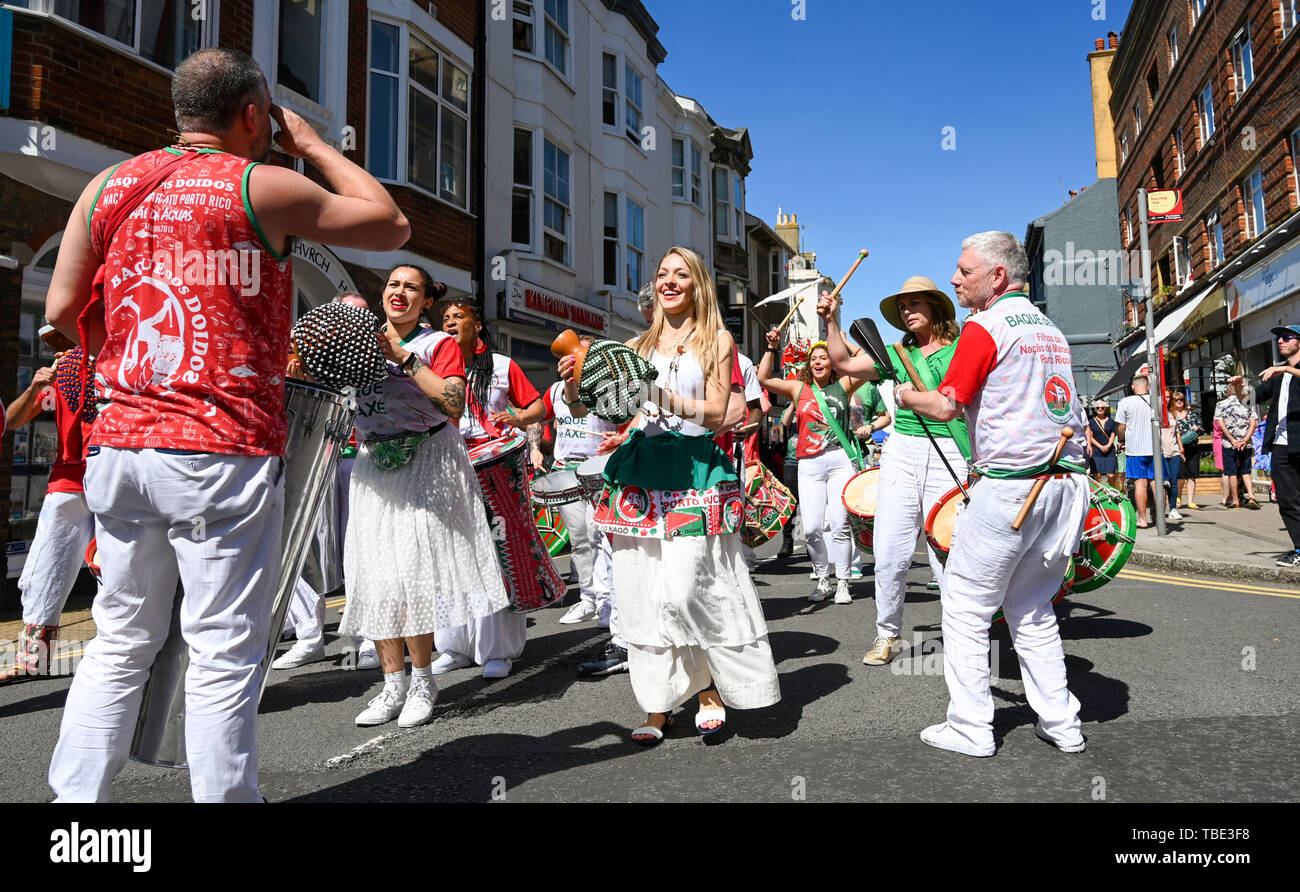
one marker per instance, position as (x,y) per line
(185,468)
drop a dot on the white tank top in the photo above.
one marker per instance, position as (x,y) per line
(688,381)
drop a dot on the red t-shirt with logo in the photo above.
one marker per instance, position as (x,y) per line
(198,311)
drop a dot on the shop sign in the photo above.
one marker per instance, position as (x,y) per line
(532,303)
(1264,283)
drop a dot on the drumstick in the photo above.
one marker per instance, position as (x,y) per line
(575,428)
(916,383)
(908,367)
(862,255)
(789,315)
(1066,434)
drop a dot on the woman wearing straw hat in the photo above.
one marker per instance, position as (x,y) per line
(912,475)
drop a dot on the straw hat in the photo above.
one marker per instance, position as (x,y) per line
(927,289)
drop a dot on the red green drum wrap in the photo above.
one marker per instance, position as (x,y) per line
(1109,531)
(859,499)
(768,505)
(555,535)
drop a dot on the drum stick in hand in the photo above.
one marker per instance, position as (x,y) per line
(575,429)
(1066,434)
(907,365)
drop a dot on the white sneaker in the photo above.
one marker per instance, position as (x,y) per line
(1173,514)
(384,708)
(945,738)
(822,591)
(450,661)
(1063,747)
(583,610)
(496,668)
(420,697)
(367,656)
(813,575)
(842,595)
(299,655)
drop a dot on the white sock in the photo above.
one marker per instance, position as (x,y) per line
(424,673)
(396,680)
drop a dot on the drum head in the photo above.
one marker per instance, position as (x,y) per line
(939,522)
(860,493)
(1109,530)
(495,450)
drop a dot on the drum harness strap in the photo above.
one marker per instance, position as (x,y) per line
(395,450)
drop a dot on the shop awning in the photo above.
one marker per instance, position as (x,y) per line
(1121,378)
(1170,328)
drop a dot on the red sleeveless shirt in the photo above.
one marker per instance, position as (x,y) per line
(198,309)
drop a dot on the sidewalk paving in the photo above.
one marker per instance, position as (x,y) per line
(1215,541)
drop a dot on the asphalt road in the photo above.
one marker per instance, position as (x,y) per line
(1188,689)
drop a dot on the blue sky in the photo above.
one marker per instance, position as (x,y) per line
(846,110)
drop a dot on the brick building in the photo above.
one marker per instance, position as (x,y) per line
(389,82)
(1205,100)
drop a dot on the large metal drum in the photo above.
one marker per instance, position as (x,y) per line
(320,422)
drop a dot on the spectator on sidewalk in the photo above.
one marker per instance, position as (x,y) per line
(1282,433)
(1171,450)
(1103,441)
(1134,420)
(1236,420)
(1188,422)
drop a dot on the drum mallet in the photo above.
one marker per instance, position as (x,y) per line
(1066,434)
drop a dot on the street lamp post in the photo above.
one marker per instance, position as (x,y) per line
(1154,390)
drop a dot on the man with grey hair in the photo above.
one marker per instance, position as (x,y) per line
(185,473)
(645,302)
(1013,378)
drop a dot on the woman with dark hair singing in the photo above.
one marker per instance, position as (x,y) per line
(415,508)
(496,383)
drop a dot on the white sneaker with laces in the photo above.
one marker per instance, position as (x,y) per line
(384,708)
(822,591)
(420,697)
(299,655)
(842,595)
(583,610)
(1173,514)
(1063,747)
(449,661)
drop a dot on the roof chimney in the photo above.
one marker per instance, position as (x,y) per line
(787,227)
(1101,43)
(1103,125)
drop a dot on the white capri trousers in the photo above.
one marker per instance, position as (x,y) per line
(822,479)
(592,555)
(63,532)
(912,479)
(214,522)
(991,566)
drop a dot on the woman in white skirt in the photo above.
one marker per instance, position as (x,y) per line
(912,475)
(672,503)
(418,555)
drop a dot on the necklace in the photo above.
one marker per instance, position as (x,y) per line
(680,348)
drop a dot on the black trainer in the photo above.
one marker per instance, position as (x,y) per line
(612,659)
(1291,560)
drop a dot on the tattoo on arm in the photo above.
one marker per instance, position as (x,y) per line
(534,432)
(452,402)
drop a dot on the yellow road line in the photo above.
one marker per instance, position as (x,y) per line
(335,602)
(1216,586)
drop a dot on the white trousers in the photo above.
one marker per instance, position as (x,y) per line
(214,522)
(912,479)
(821,489)
(589,550)
(498,636)
(991,566)
(63,532)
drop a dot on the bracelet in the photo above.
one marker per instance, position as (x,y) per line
(408,362)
